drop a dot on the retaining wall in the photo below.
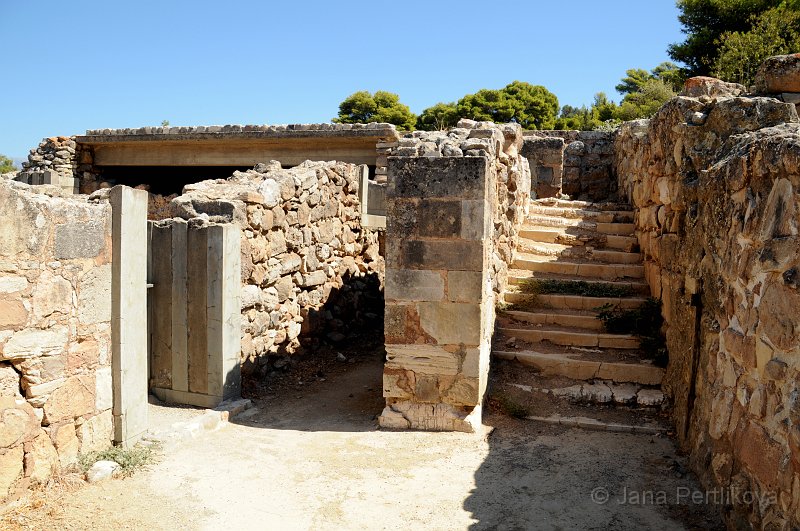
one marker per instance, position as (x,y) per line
(715,185)
(55,331)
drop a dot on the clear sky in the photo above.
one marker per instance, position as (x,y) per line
(85,64)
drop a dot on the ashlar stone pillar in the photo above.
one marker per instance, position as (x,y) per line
(439,302)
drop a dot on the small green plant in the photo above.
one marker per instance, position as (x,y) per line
(511,408)
(129,459)
(644,322)
(544,286)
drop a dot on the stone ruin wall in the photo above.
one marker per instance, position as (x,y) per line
(715,181)
(55,332)
(455,202)
(579,164)
(308,266)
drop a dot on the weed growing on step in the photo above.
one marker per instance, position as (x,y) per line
(509,407)
(129,459)
(545,286)
(644,322)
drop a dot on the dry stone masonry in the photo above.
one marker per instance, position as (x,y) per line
(455,201)
(714,178)
(55,332)
(306,262)
(578,164)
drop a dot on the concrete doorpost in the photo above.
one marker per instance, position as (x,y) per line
(129,313)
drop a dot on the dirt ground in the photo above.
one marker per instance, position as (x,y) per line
(311,457)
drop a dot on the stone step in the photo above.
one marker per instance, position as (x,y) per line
(569,236)
(595,392)
(559,250)
(601,216)
(572,302)
(519,276)
(574,337)
(542,221)
(570,319)
(577,367)
(576,204)
(531,262)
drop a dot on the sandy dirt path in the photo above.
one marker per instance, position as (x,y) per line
(315,460)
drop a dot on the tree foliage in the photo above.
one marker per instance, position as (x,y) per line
(6,164)
(774,32)
(705,22)
(644,102)
(644,93)
(364,107)
(531,106)
(439,117)
(636,78)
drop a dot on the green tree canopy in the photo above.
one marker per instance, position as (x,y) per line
(635,78)
(439,117)
(774,32)
(644,102)
(364,107)
(705,22)
(6,164)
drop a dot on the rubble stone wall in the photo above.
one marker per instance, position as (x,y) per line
(55,331)
(715,183)
(455,202)
(579,164)
(307,265)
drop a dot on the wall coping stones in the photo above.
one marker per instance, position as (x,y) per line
(324,130)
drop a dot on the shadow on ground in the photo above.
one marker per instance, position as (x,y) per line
(541,476)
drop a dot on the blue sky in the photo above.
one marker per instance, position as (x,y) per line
(94,64)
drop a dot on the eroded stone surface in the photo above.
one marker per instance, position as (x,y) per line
(715,184)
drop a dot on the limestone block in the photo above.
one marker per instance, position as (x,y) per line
(464,286)
(451,323)
(438,177)
(13,314)
(66,443)
(79,239)
(33,342)
(11,284)
(83,355)
(441,254)
(11,469)
(285,288)
(73,399)
(52,293)
(432,417)
(439,219)
(462,392)
(424,359)
(475,221)
(103,389)
(314,279)
(760,454)
(25,226)
(780,73)
(18,422)
(9,382)
(414,285)
(698,86)
(41,458)
(94,296)
(96,433)
(43,389)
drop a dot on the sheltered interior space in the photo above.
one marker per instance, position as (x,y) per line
(164,180)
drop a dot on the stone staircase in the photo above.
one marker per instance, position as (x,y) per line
(556,345)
